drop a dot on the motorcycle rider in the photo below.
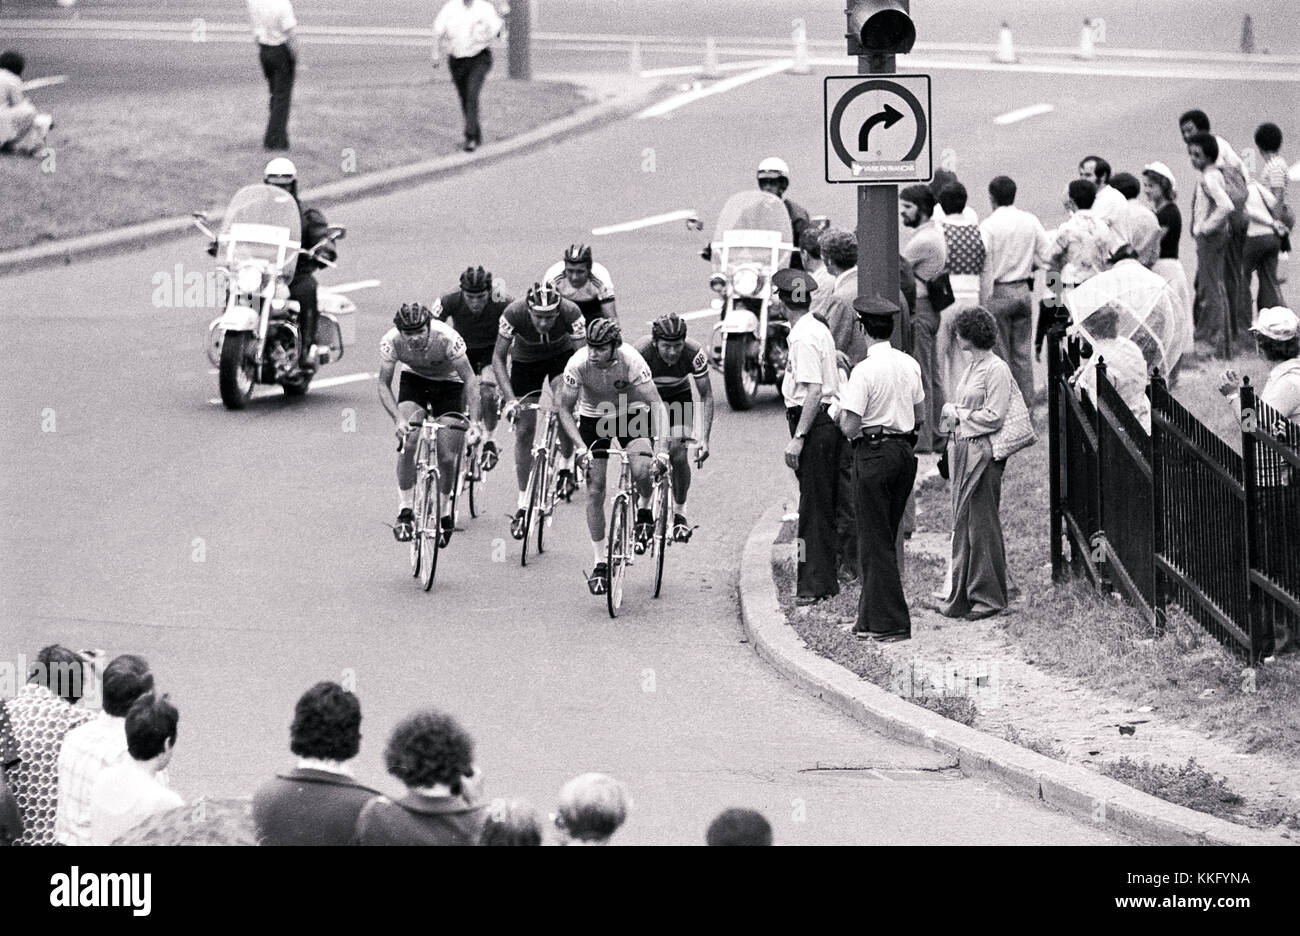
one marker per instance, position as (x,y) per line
(586,284)
(282,173)
(774,178)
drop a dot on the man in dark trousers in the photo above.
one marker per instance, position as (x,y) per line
(810,386)
(464,29)
(318,802)
(273,26)
(881,408)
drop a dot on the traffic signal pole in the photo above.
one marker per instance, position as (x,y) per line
(878,229)
(519,59)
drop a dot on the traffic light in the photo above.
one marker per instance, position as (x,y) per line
(880,26)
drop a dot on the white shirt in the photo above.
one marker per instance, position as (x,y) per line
(1110,202)
(884,389)
(124,796)
(1013,239)
(968,215)
(811,361)
(1227,155)
(272,20)
(87,750)
(464,30)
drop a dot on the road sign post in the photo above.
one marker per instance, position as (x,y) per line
(518,56)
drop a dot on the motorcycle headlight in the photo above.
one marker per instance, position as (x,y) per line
(718,283)
(746,281)
(248,279)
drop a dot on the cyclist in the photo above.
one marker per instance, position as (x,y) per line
(474,310)
(584,283)
(436,378)
(674,360)
(611,385)
(540,333)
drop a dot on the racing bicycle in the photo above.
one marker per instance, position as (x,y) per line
(661,503)
(541,492)
(622,517)
(426,542)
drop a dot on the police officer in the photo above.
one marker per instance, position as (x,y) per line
(810,386)
(881,408)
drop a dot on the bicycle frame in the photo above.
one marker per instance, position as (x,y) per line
(428,479)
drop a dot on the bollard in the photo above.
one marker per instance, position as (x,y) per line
(1006,52)
(801,65)
(710,58)
(1248,35)
(634,59)
(1087,49)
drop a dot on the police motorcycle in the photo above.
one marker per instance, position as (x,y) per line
(255,339)
(752,240)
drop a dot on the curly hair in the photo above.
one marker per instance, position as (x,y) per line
(1270,349)
(428,748)
(326,723)
(840,248)
(976,325)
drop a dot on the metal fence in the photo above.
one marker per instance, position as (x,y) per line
(1176,516)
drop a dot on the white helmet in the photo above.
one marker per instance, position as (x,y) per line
(773,168)
(280,171)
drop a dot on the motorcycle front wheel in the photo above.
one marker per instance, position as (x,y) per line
(740,371)
(238,369)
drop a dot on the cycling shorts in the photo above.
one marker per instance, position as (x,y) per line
(595,432)
(435,397)
(530,376)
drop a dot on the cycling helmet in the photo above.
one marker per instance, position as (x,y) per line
(475,280)
(280,171)
(413,317)
(602,332)
(543,297)
(578,253)
(670,327)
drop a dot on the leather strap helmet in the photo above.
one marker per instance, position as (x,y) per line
(412,317)
(670,327)
(578,253)
(543,297)
(475,280)
(603,332)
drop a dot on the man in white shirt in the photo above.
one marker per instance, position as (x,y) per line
(809,387)
(22,129)
(128,793)
(273,27)
(1211,211)
(88,749)
(927,254)
(1108,202)
(463,30)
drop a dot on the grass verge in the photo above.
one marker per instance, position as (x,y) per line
(158,153)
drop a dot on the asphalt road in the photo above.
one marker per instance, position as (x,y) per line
(246,554)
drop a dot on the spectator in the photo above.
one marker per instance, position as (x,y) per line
(1268,138)
(1211,208)
(1084,243)
(206,822)
(966,257)
(979,563)
(1108,202)
(1016,243)
(126,794)
(318,802)
(101,742)
(1126,367)
(810,255)
(739,827)
(927,254)
(434,757)
(463,30)
(1277,334)
(277,49)
(592,808)
(512,822)
(1264,234)
(22,130)
(840,253)
(11,820)
(881,408)
(1135,223)
(942,179)
(41,715)
(1195,122)
(1160,189)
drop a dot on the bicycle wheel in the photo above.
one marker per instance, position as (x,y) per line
(429,530)
(620,550)
(417,508)
(456,489)
(534,501)
(545,500)
(474,478)
(659,540)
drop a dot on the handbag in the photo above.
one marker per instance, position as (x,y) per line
(939,291)
(1017,431)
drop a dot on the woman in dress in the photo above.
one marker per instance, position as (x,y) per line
(1159,190)
(979,563)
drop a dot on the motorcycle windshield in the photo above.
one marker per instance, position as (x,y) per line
(754,210)
(261,223)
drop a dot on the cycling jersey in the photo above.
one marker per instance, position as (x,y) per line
(479,330)
(436,361)
(674,380)
(605,386)
(527,344)
(592,295)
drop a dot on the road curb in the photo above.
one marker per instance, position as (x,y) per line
(1067,787)
(146,234)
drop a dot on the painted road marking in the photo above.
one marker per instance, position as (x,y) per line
(720,87)
(1294,172)
(1024,113)
(1193,73)
(651,221)
(321,384)
(690,316)
(350,287)
(44,82)
(694,69)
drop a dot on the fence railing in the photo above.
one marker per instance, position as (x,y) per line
(1176,516)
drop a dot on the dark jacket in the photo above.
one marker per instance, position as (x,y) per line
(314,228)
(309,807)
(421,820)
